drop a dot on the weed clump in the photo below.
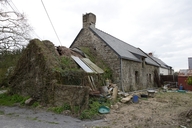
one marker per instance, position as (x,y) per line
(92,111)
(10,100)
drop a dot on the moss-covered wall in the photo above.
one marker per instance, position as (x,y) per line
(71,94)
(34,73)
(40,69)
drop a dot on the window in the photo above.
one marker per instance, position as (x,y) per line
(136,76)
(143,62)
(150,78)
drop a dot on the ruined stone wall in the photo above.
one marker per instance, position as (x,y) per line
(71,94)
(145,75)
(103,52)
(33,75)
(40,70)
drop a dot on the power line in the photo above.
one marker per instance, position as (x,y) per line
(14,5)
(11,6)
(51,22)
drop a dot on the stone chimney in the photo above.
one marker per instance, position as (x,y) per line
(151,54)
(89,19)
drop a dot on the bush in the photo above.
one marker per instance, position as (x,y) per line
(8,60)
(189,80)
(10,100)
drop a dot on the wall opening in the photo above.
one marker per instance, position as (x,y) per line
(149,78)
(143,62)
(136,77)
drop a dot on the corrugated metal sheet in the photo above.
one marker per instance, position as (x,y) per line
(92,65)
(82,65)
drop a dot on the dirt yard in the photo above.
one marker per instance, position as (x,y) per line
(165,110)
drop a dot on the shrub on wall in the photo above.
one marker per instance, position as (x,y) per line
(189,80)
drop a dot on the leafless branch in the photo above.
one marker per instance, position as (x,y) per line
(14,29)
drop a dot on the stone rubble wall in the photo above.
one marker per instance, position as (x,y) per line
(73,95)
(87,39)
(128,74)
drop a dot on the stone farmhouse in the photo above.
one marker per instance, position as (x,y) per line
(132,69)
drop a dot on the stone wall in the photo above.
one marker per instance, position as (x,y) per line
(145,75)
(71,94)
(103,52)
(87,39)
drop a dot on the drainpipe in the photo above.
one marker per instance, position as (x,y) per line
(121,75)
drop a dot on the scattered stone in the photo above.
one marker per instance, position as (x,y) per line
(115,106)
(105,119)
(126,99)
(119,103)
(67,112)
(188,120)
(3,91)
(29,101)
(181,126)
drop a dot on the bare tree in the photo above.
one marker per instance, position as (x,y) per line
(14,29)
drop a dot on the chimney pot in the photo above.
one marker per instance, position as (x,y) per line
(89,19)
(151,54)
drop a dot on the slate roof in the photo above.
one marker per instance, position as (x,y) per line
(149,60)
(160,62)
(124,50)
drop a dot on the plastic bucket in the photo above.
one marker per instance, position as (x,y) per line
(180,87)
(135,99)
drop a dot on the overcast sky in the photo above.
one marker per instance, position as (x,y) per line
(163,27)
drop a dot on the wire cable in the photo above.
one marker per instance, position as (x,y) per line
(14,6)
(50,21)
(10,6)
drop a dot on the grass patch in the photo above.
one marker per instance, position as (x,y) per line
(10,100)
(35,104)
(32,118)
(52,122)
(59,110)
(92,111)
(10,114)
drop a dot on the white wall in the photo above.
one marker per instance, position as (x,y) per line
(163,71)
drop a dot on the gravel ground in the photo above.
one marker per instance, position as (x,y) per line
(17,117)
